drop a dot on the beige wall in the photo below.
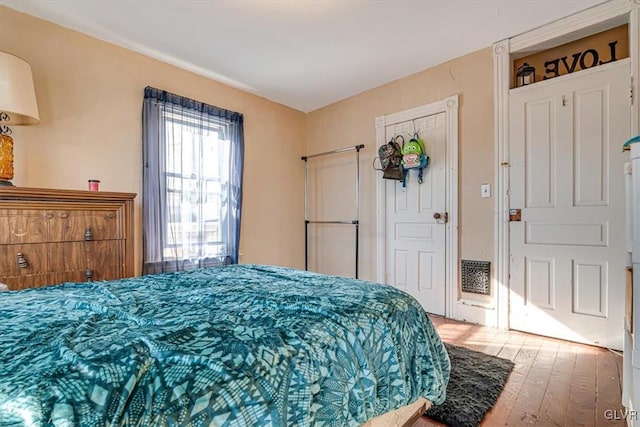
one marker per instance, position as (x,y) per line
(90,100)
(351,122)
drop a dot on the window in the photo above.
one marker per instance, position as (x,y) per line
(193,171)
(195,168)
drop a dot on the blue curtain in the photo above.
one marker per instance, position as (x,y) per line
(192,183)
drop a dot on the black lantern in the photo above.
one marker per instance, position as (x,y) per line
(525,75)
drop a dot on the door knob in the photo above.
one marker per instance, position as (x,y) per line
(441,218)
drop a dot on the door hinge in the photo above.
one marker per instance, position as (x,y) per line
(631,91)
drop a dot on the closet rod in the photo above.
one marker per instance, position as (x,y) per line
(355,222)
(339,150)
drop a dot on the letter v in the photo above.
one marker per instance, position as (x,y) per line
(575,57)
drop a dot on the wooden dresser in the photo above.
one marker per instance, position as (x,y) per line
(54,236)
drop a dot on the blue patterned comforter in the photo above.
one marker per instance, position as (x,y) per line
(233,346)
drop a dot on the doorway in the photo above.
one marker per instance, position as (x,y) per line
(416,250)
(567,214)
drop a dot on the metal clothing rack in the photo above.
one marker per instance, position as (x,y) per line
(354,222)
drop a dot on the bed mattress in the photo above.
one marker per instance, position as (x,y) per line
(240,345)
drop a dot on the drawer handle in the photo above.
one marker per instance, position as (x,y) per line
(22,262)
(48,215)
(89,275)
(63,214)
(87,234)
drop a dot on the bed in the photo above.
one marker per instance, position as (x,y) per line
(230,346)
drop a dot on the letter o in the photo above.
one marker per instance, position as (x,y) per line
(595,56)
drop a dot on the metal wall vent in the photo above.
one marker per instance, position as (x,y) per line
(475,276)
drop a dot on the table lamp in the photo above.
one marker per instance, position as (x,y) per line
(17,107)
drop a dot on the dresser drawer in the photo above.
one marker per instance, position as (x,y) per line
(59,225)
(17,283)
(24,226)
(33,259)
(69,256)
(80,225)
(91,275)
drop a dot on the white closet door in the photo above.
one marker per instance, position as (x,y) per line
(415,240)
(567,177)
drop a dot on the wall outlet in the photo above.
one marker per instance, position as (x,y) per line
(485,190)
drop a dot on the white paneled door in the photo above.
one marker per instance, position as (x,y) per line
(415,239)
(567,177)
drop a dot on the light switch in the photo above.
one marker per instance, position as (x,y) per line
(485,190)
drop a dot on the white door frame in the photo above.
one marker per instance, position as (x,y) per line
(449,106)
(597,18)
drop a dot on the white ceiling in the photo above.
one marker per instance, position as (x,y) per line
(304,54)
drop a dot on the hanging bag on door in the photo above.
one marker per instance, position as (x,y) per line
(390,155)
(414,157)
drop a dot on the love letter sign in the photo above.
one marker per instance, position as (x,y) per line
(592,51)
(586,59)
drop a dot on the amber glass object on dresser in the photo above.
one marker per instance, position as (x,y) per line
(53,236)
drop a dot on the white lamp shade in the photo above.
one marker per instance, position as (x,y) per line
(17,95)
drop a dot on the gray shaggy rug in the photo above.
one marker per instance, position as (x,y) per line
(477,379)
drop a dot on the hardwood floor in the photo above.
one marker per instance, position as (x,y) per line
(553,383)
